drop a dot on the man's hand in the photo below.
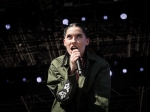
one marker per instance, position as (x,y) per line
(75,54)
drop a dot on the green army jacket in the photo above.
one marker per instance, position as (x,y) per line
(90,93)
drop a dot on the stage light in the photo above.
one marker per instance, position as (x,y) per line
(24,79)
(7,80)
(65,21)
(110,73)
(39,79)
(123,16)
(105,17)
(83,19)
(7,26)
(124,70)
(141,69)
(115,63)
(10,80)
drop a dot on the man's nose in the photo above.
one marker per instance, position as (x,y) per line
(73,40)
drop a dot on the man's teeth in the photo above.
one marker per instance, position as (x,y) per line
(73,48)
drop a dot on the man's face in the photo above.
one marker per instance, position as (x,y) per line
(75,39)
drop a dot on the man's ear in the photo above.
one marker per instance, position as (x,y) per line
(64,43)
(87,41)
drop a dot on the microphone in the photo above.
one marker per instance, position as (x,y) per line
(79,65)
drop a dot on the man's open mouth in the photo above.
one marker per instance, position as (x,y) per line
(72,48)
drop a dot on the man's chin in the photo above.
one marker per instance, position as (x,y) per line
(69,52)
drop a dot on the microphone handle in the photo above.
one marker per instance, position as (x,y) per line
(79,66)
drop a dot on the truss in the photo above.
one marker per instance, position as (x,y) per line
(36,39)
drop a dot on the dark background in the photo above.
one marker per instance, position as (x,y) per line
(35,38)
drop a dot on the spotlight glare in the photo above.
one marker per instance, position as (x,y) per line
(141,69)
(7,80)
(83,18)
(39,79)
(65,21)
(110,73)
(24,79)
(105,17)
(124,70)
(123,16)
(7,26)
(115,62)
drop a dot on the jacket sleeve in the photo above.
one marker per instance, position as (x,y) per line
(61,84)
(101,90)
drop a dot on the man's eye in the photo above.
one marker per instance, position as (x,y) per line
(79,36)
(69,37)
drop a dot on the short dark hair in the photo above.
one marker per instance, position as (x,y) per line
(83,28)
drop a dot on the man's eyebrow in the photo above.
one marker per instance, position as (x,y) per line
(79,34)
(69,35)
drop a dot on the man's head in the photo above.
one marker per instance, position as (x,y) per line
(76,37)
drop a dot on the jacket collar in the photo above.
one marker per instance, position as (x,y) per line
(66,61)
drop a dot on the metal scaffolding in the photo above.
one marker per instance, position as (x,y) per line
(37,39)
